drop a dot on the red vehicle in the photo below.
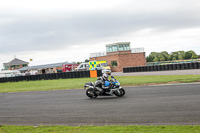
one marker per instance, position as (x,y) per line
(69,67)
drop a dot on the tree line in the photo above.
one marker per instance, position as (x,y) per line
(165,56)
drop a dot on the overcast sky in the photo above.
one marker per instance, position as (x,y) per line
(52,31)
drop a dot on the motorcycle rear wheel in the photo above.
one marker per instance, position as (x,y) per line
(90,93)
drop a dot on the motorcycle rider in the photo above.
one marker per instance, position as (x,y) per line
(100,83)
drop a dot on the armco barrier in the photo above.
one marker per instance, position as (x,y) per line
(63,75)
(180,66)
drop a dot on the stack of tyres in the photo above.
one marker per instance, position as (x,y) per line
(198,65)
(137,69)
(145,68)
(154,68)
(123,70)
(33,77)
(178,66)
(127,69)
(88,73)
(187,65)
(170,66)
(73,74)
(195,65)
(63,75)
(166,67)
(20,78)
(131,69)
(148,68)
(9,79)
(182,66)
(151,68)
(142,68)
(99,73)
(58,75)
(40,77)
(67,74)
(77,74)
(174,66)
(191,66)
(162,67)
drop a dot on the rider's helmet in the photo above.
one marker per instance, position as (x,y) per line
(105,76)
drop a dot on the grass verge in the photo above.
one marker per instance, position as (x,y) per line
(100,129)
(61,84)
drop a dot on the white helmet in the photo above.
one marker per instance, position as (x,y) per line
(105,76)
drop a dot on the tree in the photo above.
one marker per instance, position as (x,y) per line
(161,57)
(194,56)
(86,60)
(188,54)
(174,56)
(181,55)
(155,59)
(166,55)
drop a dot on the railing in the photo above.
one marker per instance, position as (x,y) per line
(98,54)
(137,50)
(133,50)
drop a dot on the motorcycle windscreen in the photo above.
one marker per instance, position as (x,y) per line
(107,83)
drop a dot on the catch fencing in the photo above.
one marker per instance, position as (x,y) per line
(51,76)
(179,66)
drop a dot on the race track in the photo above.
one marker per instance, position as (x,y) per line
(146,105)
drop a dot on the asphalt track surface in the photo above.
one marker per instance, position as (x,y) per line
(144,105)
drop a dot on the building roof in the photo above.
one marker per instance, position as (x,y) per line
(43,66)
(15,61)
(117,43)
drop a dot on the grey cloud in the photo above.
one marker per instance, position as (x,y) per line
(40,32)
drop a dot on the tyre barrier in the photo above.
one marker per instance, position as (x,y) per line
(180,66)
(63,75)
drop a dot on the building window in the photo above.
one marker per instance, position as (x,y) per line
(24,65)
(121,48)
(16,66)
(7,67)
(115,48)
(113,63)
(109,49)
(12,66)
(126,47)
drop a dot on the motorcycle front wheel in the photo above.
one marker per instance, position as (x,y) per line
(122,93)
(90,93)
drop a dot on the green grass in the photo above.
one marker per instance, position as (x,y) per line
(100,129)
(78,83)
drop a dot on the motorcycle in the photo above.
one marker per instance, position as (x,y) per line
(112,87)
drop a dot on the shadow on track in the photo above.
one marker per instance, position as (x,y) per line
(106,98)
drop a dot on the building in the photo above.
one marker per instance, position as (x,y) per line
(15,64)
(120,55)
(44,69)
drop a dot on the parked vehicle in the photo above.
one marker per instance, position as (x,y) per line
(103,64)
(83,67)
(100,65)
(69,67)
(106,71)
(9,73)
(113,85)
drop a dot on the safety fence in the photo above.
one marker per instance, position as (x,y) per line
(180,66)
(51,76)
